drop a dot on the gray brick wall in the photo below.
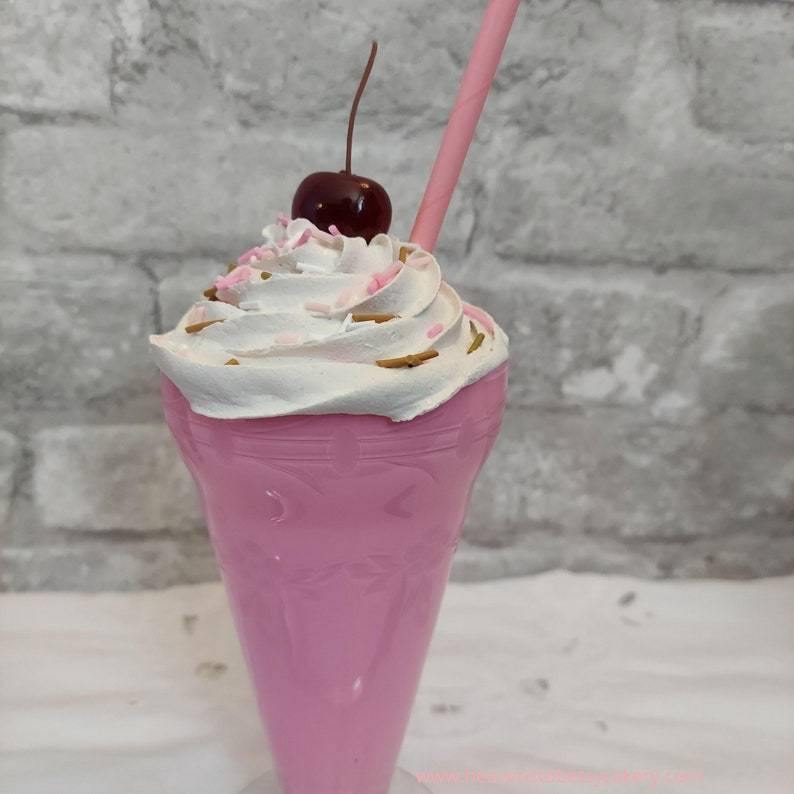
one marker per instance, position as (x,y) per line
(626,211)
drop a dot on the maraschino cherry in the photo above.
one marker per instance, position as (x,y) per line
(356,205)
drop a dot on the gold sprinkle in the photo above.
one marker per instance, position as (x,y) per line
(264,275)
(378,318)
(411,360)
(404,251)
(232,362)
(196,327)
(478,340)
(211,293)
(231,266)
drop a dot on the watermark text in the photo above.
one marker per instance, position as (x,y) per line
(598,779)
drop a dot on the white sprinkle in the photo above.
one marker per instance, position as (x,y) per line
(347,323)
(306,267)
(317,307)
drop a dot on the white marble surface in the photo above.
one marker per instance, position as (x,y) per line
(146,693)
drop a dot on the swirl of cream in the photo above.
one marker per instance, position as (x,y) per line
(293,317)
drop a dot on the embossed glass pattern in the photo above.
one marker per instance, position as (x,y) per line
(335,535)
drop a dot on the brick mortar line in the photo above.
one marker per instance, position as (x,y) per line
(154,283)
(122,535)
(646,266)
(642,413)
(56,118)
(517,265)
(524,540)
(583,411)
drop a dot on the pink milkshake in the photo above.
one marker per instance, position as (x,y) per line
(334,400)
(335,536)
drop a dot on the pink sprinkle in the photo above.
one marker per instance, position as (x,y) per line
(434,330)
(227,296)
(267,253)
(239,274)
(390,273)
(380,280)
(322,236)
(252,253)
(334,230)
(288,339)
(196,315)
(303,239)
(314,306)
(283,219)
(480,316)
(344,297)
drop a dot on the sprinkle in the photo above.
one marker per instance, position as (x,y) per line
(306,235)
(347,323)
(375,318)
(344,297)
(478,340)
(288,339)
(308,267)
(390,273)
(264,275)
(237,275)
(196,327)
(232,265)
(315,306)
(196,315)
(411,360)
(251,305)
(380,280)
(322,236)
(473,329)
(480,316)
(227,296)
(232,362)
(211,293)
(434,330)
(282,219)
(404,252)
(334,230)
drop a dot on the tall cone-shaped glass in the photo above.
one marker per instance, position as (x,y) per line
(335,535)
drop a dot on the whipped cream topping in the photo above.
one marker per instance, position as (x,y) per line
(300,324)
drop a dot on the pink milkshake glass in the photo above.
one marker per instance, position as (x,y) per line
(335,535)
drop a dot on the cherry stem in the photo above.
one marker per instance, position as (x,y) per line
(353,110)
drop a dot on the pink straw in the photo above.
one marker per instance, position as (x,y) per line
(474,87)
